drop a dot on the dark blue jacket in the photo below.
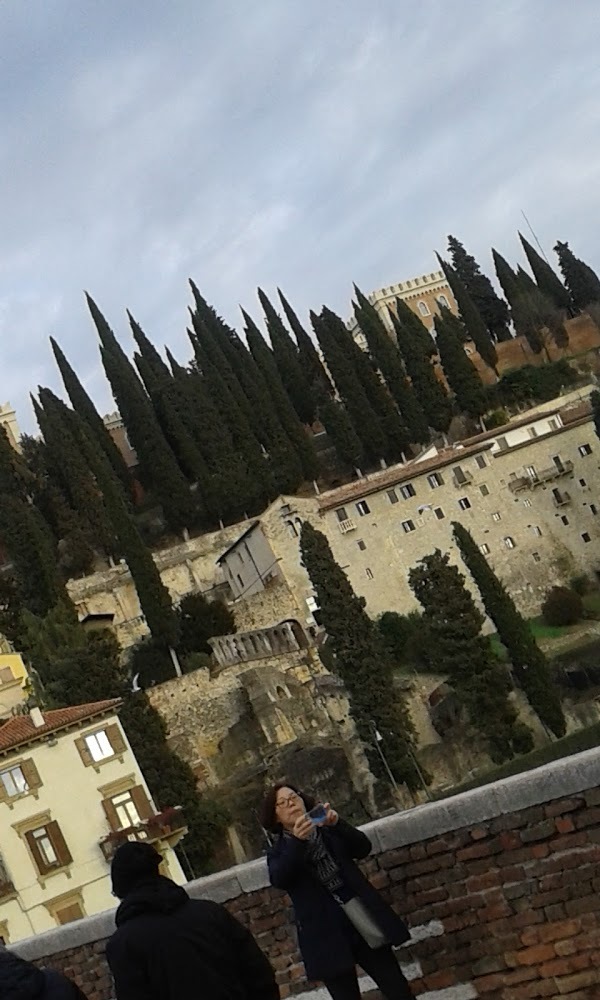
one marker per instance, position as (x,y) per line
(323,930)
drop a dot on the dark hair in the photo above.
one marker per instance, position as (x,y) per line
(268,817)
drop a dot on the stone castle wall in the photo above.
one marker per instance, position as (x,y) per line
(500,887)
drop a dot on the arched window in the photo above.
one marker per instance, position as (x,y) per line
(424,309)
(443,301)
(292,529)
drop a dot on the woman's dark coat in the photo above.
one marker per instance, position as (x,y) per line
(20,980)
(323,937)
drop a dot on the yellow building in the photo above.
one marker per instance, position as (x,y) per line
(8,420)
(71,791)
(13,683)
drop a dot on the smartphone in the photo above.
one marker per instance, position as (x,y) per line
(317,815)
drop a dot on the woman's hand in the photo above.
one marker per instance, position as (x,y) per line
(332,817)
(302,828)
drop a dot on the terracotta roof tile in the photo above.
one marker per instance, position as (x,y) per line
(20,729)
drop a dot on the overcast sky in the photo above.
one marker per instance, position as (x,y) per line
(299,143)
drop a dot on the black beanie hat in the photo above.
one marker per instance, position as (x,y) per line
(133,863)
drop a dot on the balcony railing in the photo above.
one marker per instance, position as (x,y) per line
(347,525)
(464,478)
(169,826)
(529,482)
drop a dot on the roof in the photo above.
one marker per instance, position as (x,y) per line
(20,729)
(512,425)
(234,545)
(398,474)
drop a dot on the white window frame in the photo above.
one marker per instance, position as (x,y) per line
(484,549)
(509,542)
(496,516)
(99,746)
(464,503)
(435,480)
(362,508)
(424,308)
(125,808)
(407,491)
(408,527)
(45,846)
(14,781)
(585,450)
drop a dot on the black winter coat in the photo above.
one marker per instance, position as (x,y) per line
(324,935)
(20,980)
(170,947)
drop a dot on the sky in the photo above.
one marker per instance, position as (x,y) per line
(300,144)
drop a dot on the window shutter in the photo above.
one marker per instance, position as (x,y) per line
(3,792)
(69,913)
(59,844)
(111,814)
(84,752)
(38,857)
(31,774)
(142,802)
(115,737)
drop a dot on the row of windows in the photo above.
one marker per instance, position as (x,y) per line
(22,778)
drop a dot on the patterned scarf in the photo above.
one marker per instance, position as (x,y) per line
(325,865)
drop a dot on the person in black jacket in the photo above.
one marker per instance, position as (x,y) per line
(21,980)
(342,920)
(170,947)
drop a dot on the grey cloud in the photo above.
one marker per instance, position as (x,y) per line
(305,146)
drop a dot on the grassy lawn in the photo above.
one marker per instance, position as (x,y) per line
(583,739)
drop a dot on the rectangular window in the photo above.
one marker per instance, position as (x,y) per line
(408,491)
(408,526)
(48,847)
(126,810)
(435,479)
(392,496)
(369,573)
(341,514)
(68,914)
(502,444)
(240,581)
(484,549)
(14,782)
(99,746)
(536,557)
(582,482)
(496,516)
(593,508)
(536,530)
(586,537)
(362,545)
(483,489)
(532,432)
(439,513)
(363,508)
(585,449)
(530,471)
(553,425)
(459,475)
(509,542)
(464,503)
(527,502)
(240,558)
(481,461)
(564,519)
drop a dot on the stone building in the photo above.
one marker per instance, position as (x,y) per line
(424,295)
(266,708)
(71,791)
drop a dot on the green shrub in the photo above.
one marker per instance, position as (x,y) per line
(562,606)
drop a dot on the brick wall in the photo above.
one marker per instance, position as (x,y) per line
(501,887)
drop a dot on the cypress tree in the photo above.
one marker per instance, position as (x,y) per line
(295,378)
(81,402)
(251,469)
(72,472)
(582,283)
(27,539)
(389,361)
(298,445)
(427,386)
(364,419)
(506,277)
(595,401)
(460,371)
(153,596)
(531,669)
(466,657)
(377,392)
(471,317)
(420,336)
(537,316)
(307,352)
(360,659)
(492,308)
(157,461)
(547,280)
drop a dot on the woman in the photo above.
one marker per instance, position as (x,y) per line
(342,920)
